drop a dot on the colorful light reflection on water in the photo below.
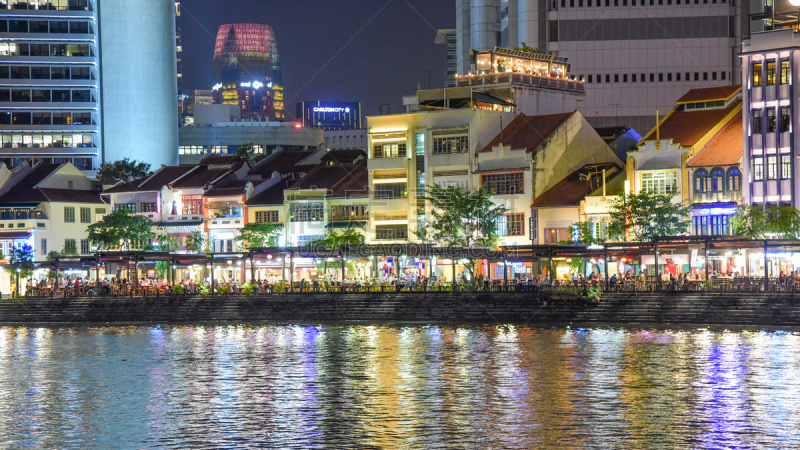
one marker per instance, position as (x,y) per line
(397,387)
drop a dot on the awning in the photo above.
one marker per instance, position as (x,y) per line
(188,223)
(15,235)
(486,98)
(353,224)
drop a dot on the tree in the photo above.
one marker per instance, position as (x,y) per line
(22,258)
(70,248)
(248,152)
(585,235)
(348,236)
(255,235)
(527,48)
(643,216)
(166,243)
(195,243)
(121,229)
(120,170)
(781,222)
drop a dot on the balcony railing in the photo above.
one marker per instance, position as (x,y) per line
(719,196)
(519,78)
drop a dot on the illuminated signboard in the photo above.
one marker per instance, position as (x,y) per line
(217,87)
(328,109)
(330,115)
(715,211)
(254,84)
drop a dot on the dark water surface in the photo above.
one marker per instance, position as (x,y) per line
(333,386)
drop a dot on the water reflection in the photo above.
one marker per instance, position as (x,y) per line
(302,386)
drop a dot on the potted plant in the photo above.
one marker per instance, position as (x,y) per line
(247,289)
(280,287)
(203,290)
(224,290)
(177,290)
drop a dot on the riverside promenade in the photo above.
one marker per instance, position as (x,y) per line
(743,309)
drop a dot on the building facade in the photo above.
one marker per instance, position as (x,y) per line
(636,56)
(50,92)
(247,70)
(139,81)
(449,39)
(770,63)
(329,116)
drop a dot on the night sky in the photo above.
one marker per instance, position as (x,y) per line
(384,61)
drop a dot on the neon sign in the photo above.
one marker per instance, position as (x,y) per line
(715,211)
(254,84)
(328,109)
(217,87)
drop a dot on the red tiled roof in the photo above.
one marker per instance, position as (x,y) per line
(567,192)
(125,187)
(273,195)
(282,162)
(708,94)
(24,191)
(688,127)
(529,132)
(199,177)
(233,188)
(220,160)
(724,149)
(71,195)
(340,180)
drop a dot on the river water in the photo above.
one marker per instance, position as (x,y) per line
(340,386)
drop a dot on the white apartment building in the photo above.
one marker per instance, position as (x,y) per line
(636,56)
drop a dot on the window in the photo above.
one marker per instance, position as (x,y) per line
(99,210)
(677,76)
(770,73)
(660,183)
(652,77)
(69,214)
(511,225)
(616,78)
(130,207)
(266,216)
(391,232)
(608,77)
(70,245)
(734,180)
(85,247)
(389,151)
(770,119)
(786,167)
(556,235)
(391,190)
(717,180)
(450,144)
(192,204)
(589,79)
(785,119)
(756,74)
(504,183)
(758,169)
(86,215)
(306,212)
(348,212)
(661,77)
(147,207)
(625,78)
(700,181)
(43,247)
(303,241)
(785,73)
(757,128)
(772,167)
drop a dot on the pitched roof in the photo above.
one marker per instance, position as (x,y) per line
(688,127)
(155,182)
(233,188)
(71,195)
(569,191)
(345,180)
(25,190)
(529,132)
(272,195)
(219,160)
(709,94)
(282,162)
(200,177)
(343,156)
(724,149)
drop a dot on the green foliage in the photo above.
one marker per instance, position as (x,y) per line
(247,288)
(120,229)
(255,235)
(594,293)
(111,173)
(247,151)
(461,218)
(196,242)
(177,289)
(332,240)
(70,248)
(585,235)
(203,289)
(223,289)
(22,258)
(280,287)
(643,216)
(527,48)
(779,222)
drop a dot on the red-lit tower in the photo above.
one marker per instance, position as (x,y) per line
(247,70)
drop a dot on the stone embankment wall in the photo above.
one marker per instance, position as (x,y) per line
(478,308)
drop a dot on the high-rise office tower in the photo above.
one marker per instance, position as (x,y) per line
(247,70)
(86,82)
(635,56)
(448,38)
(49,82)
(178,46)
